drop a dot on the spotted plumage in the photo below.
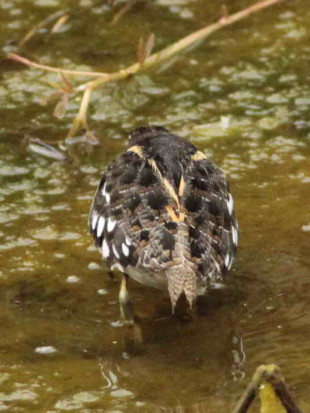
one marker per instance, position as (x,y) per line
(163,214)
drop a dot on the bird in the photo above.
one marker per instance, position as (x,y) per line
(163,215)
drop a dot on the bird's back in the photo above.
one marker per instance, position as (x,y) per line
(161,211)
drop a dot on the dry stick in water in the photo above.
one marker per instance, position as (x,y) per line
(149,62)
(269,374)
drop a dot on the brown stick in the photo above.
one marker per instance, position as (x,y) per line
(282,391)
(149,62)
(184,43)
(271,374)
(162,55)
(251,391)
(30,63)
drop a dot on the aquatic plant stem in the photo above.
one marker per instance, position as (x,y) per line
(46,68)
(151,61)
(80,120)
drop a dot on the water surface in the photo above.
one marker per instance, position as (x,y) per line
(243,98)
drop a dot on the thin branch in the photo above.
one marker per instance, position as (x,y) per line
(251,391)
(184,43)
(81,118)
(272,375)
(177,47)
(282,391)
(30,63)
(149,62)
(160,56)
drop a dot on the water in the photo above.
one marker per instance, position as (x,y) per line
(243,98)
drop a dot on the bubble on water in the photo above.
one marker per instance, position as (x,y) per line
(121,393)
(116,324)
(306,228)
(102,291)
(140,404)
(86,396)
(73,279)
(89,169)
(45,350)
(93,266)
(59,255)
(69,404)
(186,14)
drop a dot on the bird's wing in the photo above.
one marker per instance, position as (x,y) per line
(133,215)
(209,209)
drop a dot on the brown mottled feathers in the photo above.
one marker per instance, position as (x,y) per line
(163,208)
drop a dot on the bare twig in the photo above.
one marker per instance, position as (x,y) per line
(153,60)
(80,120)
(277,381)
(30,63)
(169,51)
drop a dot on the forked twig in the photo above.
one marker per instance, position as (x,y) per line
(151,61)
(267,374)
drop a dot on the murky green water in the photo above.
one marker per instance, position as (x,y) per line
(61,345)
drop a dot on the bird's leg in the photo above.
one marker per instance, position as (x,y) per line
(126,309)
(132,333)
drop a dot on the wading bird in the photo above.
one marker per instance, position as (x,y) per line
(163,215)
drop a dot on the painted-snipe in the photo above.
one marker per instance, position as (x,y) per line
(163,215)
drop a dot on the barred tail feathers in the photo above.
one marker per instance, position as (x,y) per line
(182,278)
